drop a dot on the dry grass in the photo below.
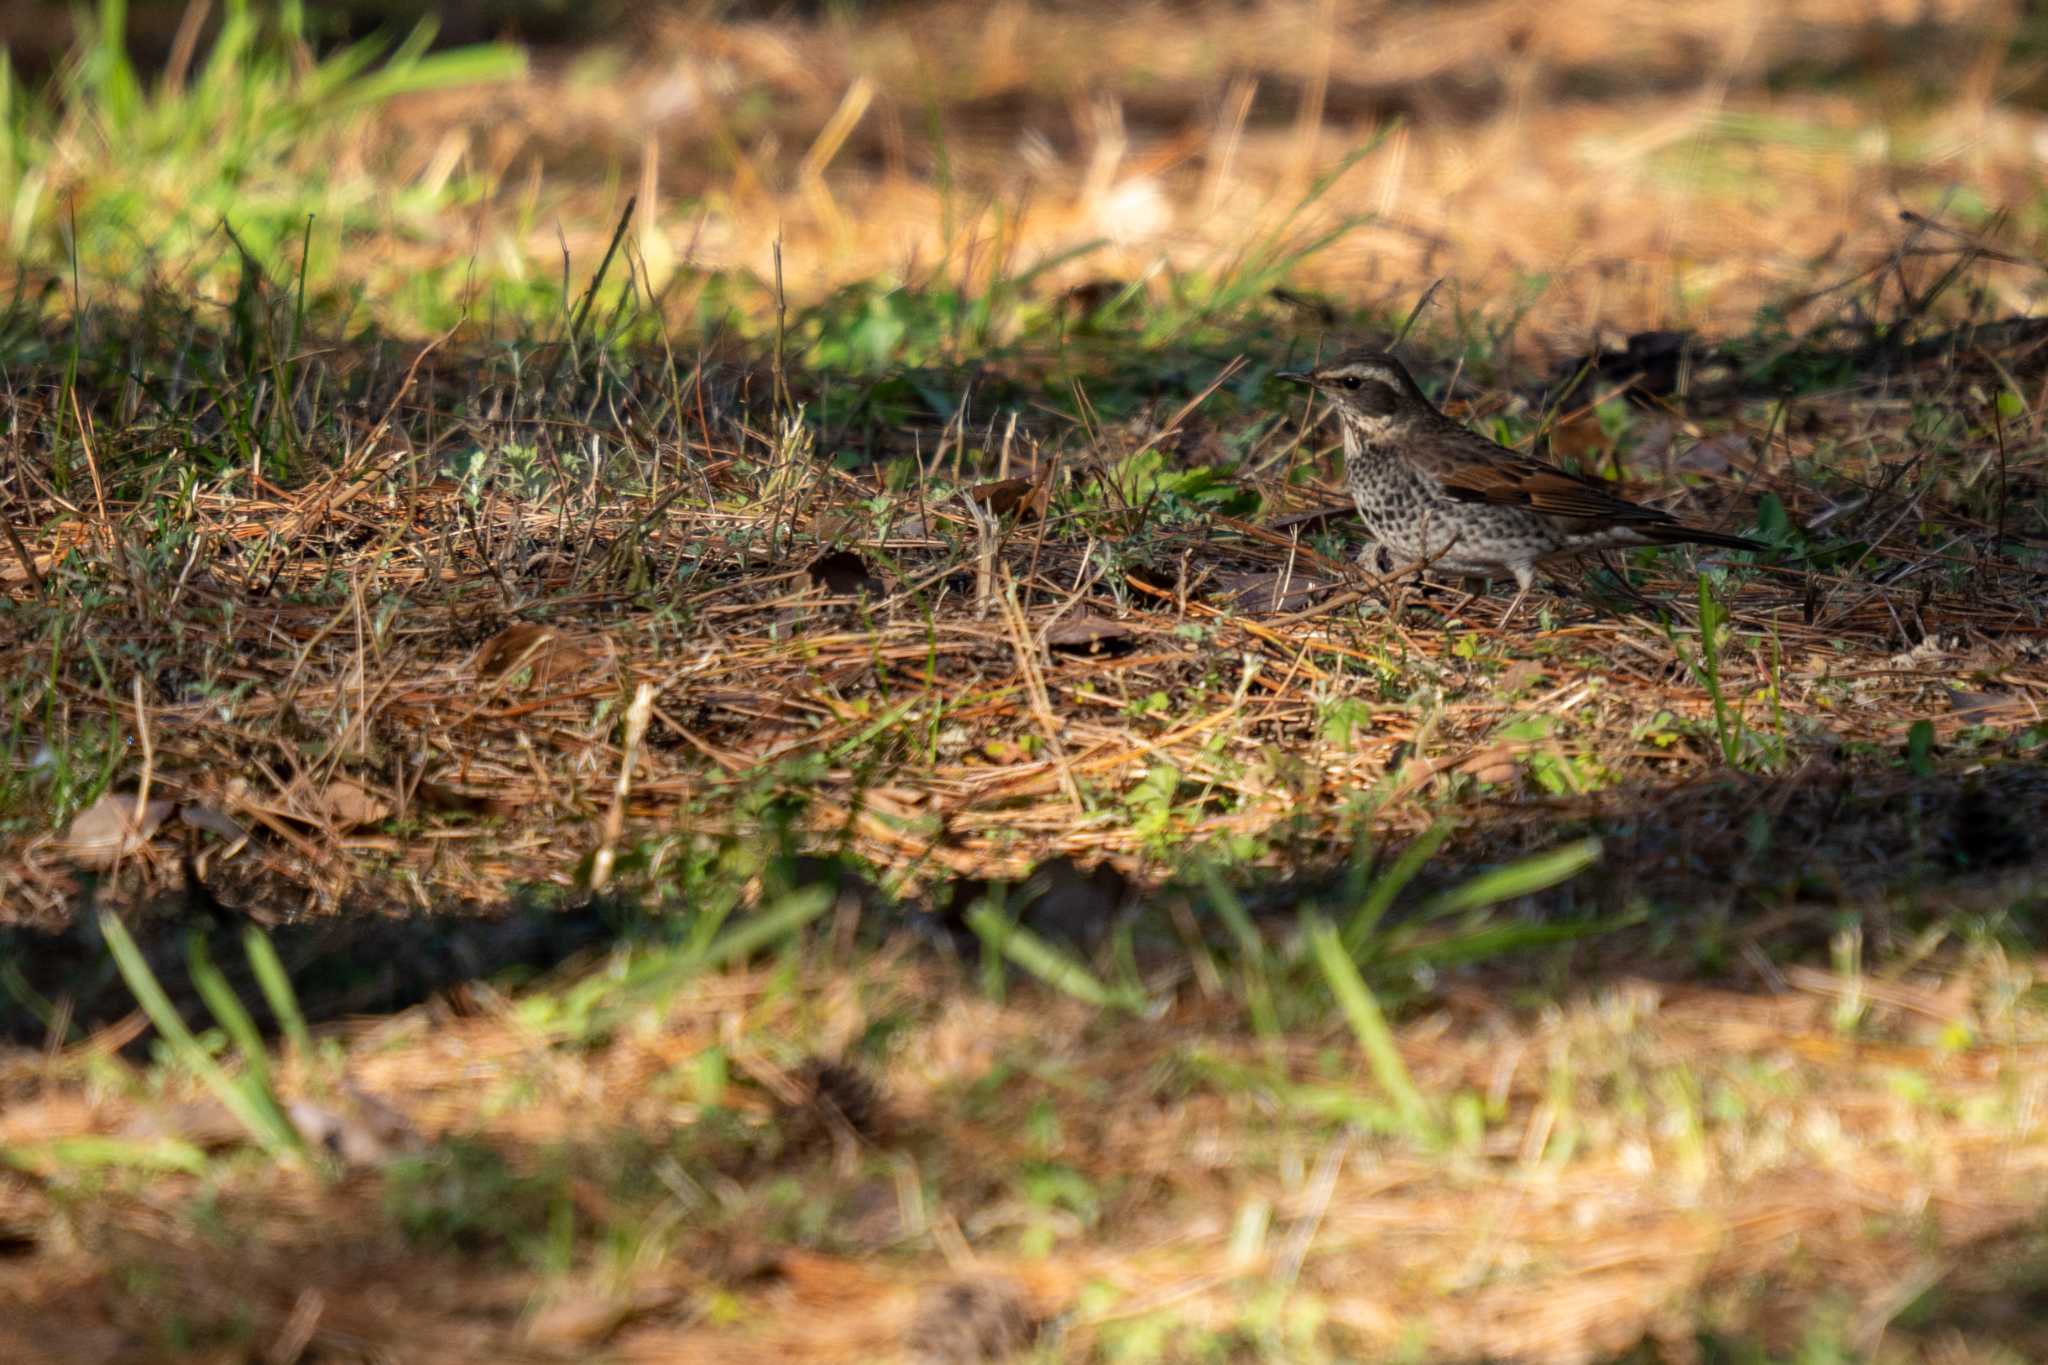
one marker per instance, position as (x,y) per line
(959,691)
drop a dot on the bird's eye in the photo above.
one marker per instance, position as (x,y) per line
(1350,381)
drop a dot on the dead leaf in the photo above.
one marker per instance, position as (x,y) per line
(112,828)
(915,527)
(1495,764)
(842,573)
(1714,454)
(1027,498)
(1086,631)
(548,655)
(1982,708)
(452,800)
(1089,295)
(830,526)
(348,804)
(1271,592)
(1578,437)
(820,1281)
(341,803)
(198,815)
(64,538)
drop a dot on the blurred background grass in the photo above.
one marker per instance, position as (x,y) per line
(1611,163)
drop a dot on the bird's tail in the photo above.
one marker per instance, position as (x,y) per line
(1693,535)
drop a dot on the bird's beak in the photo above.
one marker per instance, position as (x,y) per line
(1298,376)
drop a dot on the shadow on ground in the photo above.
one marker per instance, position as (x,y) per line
(1721,879)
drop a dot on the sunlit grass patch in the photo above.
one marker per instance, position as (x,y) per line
(250,142)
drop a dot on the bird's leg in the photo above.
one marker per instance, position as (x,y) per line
(1525,579)
(1432,556)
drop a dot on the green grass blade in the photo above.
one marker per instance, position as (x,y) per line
(91,1151)
(477,64)
(1038,269)
(600,1002)
(1497,940)
(1708,671)
(1232,912)
(769,925)
(1533,873)
(276,985)
(1258,987)
(1359,928)
(1369,1026)
(17,988)
(227,1007)
(878,726)
(265,1123)
(1049,964)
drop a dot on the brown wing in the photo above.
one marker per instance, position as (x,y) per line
(1474,469)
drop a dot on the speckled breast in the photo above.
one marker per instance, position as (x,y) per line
(1414,518)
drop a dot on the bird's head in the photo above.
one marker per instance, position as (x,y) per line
(1366,383)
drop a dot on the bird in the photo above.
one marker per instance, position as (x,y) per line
(1435,492)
